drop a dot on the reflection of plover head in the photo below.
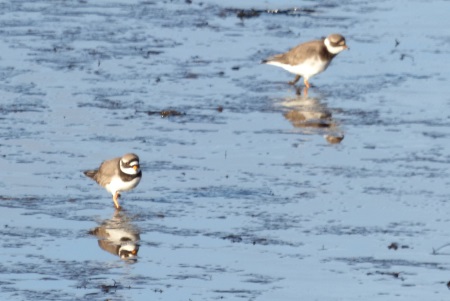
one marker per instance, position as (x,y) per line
(128,251)
(310,58)
(117,175)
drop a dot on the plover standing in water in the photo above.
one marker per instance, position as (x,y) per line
(310,58)
(117,175)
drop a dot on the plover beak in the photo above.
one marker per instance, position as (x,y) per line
(136,167)
(346,47)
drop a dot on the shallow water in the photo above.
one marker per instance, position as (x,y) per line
(242,197)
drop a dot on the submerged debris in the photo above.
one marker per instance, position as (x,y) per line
(334,139)
(164,113)
(252,13)
(167,113)
(241,14)
(393,274)
(437,250)
(393,246)
(233,238)
(106,288)
(404,55)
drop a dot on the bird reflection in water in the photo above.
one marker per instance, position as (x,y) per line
(311,115)
(118,236)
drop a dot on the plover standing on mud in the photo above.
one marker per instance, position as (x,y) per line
(310,58)
(117,175)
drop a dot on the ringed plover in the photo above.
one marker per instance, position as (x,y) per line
(310,58)
(117,175)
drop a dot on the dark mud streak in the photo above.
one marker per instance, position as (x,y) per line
(391,263)
(368,231)
(251,238)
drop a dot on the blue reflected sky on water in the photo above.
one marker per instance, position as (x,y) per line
(240,203)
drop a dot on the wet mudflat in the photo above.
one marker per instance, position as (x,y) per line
(242,197)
